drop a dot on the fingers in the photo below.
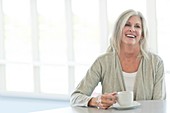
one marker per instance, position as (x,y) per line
(106,100)
(109,98)
(114,93)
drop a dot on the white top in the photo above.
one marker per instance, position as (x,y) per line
(129,79)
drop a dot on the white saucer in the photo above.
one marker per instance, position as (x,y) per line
(133,105)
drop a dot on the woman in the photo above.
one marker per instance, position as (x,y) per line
(127,65)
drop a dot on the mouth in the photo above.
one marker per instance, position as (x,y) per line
(131,36)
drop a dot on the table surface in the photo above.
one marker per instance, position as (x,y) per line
(149,106)
(27,105)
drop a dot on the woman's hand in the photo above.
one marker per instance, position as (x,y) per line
(103,101)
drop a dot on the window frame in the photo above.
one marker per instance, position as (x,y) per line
(104,40)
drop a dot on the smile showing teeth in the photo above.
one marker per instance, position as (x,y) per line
(131,36)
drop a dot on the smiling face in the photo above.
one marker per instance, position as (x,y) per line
(132,31)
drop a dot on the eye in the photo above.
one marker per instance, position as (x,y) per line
(137,26)
(127,24)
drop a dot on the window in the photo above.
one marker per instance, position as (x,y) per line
(86,37)
(16,37)
(163,22)
(116,8)
(44,47)
(48,47)
(51,45)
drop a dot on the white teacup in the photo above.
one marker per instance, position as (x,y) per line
(125,98)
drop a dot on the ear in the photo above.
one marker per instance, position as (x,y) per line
(142,36)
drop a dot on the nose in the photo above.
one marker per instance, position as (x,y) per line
(131,29)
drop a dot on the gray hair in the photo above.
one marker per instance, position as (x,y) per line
(115,39)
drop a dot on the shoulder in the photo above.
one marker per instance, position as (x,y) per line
(107,56)
(153,56)
(154,59)
(106,59)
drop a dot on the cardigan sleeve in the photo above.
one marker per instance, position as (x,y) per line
(82,94)
(159,92)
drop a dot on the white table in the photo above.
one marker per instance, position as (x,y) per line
(150,106)
(26,105)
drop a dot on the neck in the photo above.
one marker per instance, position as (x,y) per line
(129,51)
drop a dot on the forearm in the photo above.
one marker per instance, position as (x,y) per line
(78,99)
(103,101)
(93,102)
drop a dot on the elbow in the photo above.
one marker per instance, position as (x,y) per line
(73,100)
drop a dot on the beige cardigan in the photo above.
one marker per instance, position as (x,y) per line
(149,84)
